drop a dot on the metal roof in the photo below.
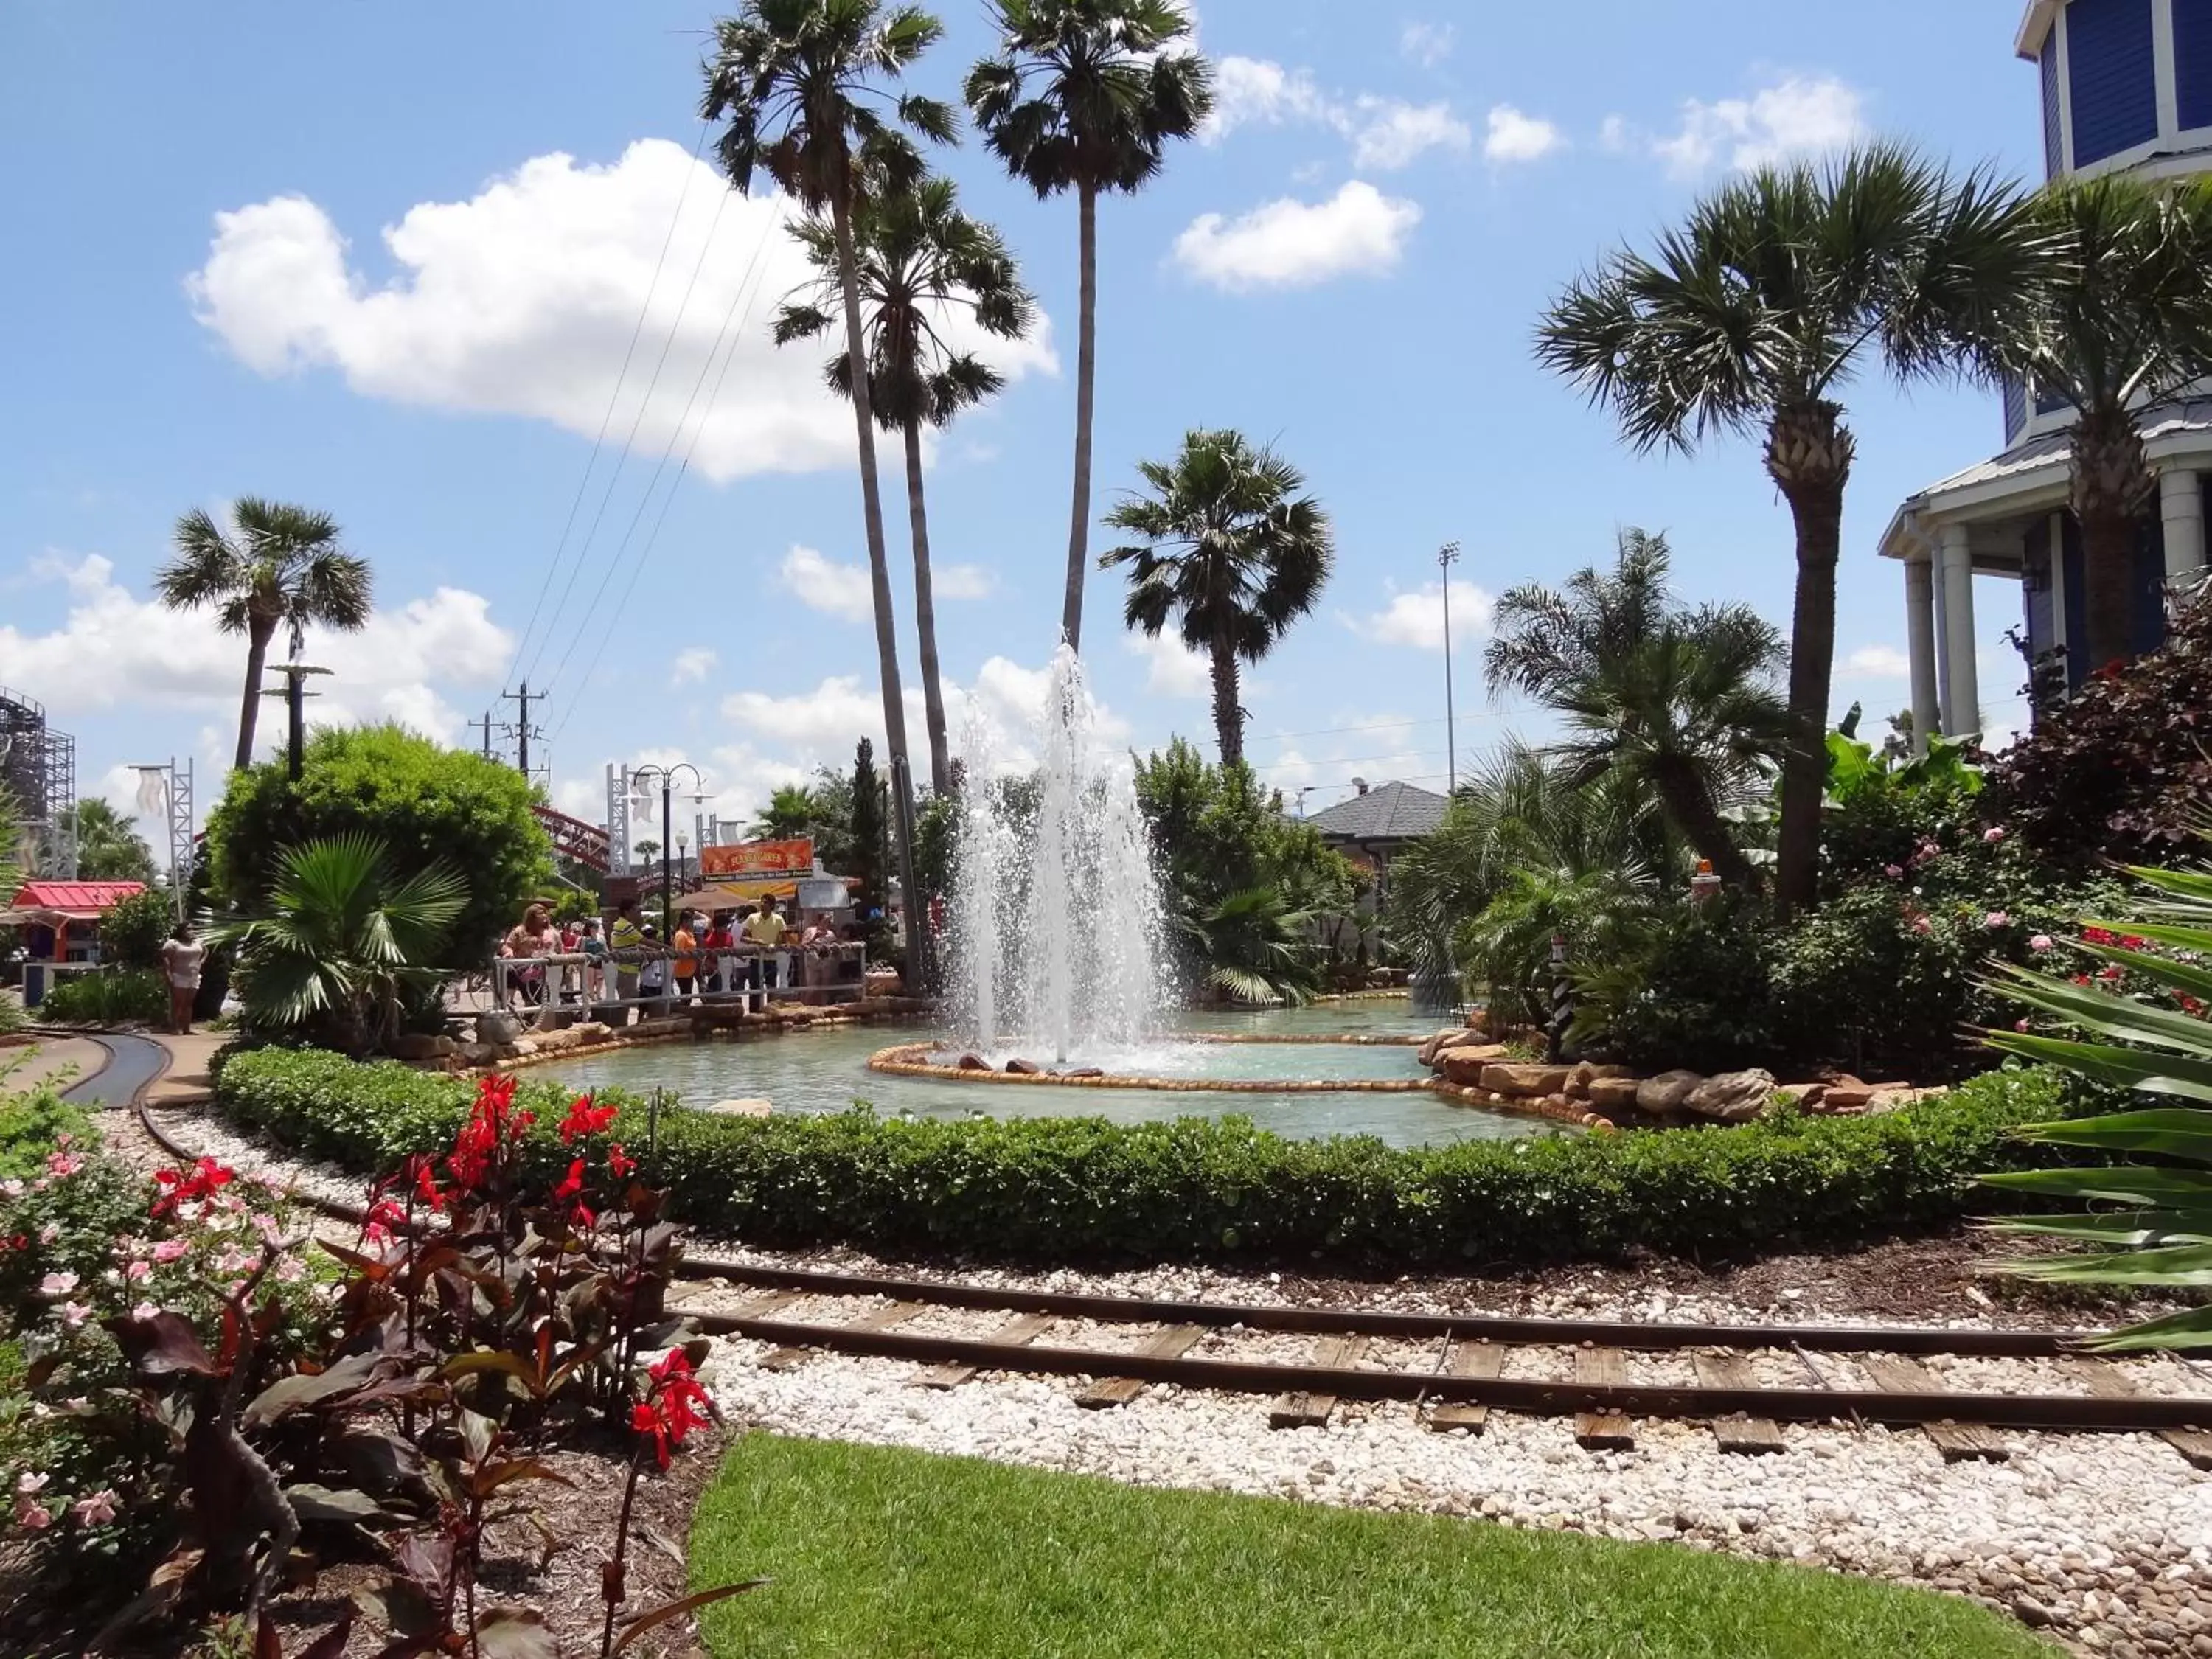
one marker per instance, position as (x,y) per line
(1390,811)
(92,896)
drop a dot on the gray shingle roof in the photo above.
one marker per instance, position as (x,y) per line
(2050,449)
(1390,811)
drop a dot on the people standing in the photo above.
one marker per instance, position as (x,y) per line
(719,967)
(765,932)
(653,974)
(182,957)
(685,943)
(628,938)
(527,941)
(594,949)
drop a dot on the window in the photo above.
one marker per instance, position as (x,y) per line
(2112,70)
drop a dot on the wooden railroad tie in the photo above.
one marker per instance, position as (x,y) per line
(1894,1374)
(876,1319)
(1739,1433)
(1480,1361)
(1019,1332)
(1170,1343)
(1603,1430)
(2102,1378)
(1301,1410)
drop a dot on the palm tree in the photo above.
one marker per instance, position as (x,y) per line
(921,260)
(1257,949)
(1681,702)
(345,945)
(1083,95)
(108,846)
(280,564)
(790,814)
(1750,317)
(794,79)
(2120,317)
(1232,549)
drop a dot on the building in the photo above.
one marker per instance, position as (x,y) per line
(60,925)
(2126,87)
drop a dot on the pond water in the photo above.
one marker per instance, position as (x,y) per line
(825,1070)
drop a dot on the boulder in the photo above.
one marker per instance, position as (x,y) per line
(1807,1095)
(1023,1068)
(752,1106)
(476,1053)
(1443,1042)
(420,1045)
(1465,1065)
(1667,1092)
(881,982)
(972,1063)
(497,1026)
(1524,1082)
(1733,1096)
(1614,1094)
(590,1031)
(1845,1098)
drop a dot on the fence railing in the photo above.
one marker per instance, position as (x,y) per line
(818,974)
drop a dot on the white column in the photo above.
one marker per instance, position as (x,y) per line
(2181,505)
(1920,646)
(2059,622)
(1955,570)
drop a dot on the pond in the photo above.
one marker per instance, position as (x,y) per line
(825,1070)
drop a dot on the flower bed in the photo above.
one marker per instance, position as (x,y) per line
(1054,1189)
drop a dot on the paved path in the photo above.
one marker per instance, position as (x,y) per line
(189,1058)
(48,1058)
(133,1063)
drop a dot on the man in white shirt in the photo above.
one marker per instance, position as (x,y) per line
(764,933)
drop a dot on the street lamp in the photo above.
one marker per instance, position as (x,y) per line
(667,776)
(166,788)
(1447,556)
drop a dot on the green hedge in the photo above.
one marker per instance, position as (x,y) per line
(1046,1189)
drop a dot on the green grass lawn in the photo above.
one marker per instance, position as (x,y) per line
(900,1555)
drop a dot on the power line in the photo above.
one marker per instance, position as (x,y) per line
(1349,760)
(607,419)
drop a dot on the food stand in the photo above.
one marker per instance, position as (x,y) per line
(60,921)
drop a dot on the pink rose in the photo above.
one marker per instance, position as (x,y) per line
(138,1271)
(1922,924)
(11,1187)
(1992,835)
(2040,942)
(50,1232)
(171,1249)
(33,1516)
(57,1284)
(96,1511)
(28,1484)
(144,1310)
(63,1164)
(1894,871)
(2020,1024)
(1997,919)
(74,1314)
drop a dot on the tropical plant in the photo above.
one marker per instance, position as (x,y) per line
(1679,703)
(922,262)
(345,945)
(2148,1007)
(106,996)
(279,564)
(2119,316)
(792,79)
(133,929)
(1750,317)
(1233,553)
(1256,948)
(1084,95)
(108,845)
(789,814)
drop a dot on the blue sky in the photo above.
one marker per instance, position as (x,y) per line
(386,261)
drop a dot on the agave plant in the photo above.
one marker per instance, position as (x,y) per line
(2160,1235)
(344,944)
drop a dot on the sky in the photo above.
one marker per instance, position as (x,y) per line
(453,275)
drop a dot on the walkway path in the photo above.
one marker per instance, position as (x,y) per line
(48,1058)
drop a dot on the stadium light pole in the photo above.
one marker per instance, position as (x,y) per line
(1447,556)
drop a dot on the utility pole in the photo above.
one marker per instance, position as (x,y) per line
(486,724)
(1447,556)
(522,724)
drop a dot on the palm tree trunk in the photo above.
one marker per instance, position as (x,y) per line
(880,582)
(258,633)
(1086,375)
(1227,704)
(925,618)
(1808,455)
(2111,484)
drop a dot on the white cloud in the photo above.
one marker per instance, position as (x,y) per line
(1256,91)
(1384,132)
(961,581)
(1427,44)
(1880,662)
(821,583)
(1388,135)
(1289,243)
(692,664)
(399,667)
(1514,136)
(1799,115)
(523,300)
(1172,668)
(1417,618)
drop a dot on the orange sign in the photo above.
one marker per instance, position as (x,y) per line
(757,858)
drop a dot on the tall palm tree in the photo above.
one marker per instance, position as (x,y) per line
(108,845)
(2121,317)
(1679,703)
(278,565)
(797,81)
(921,261)
(1232,552)
(1751,317)
(790,814)
(1083,95)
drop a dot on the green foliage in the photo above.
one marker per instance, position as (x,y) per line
(427,805)
(133,929)
(1883,808)
(34,1122)
(2155,1042)
(345,946)
(108,845)
(1072,1189)
(1696,992)
(1257,950)
(106,996)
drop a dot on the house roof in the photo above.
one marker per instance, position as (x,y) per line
(1390,811)
(76,899)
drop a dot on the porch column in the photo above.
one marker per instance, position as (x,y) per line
(1920,645)
(1955,570)
(2181,505)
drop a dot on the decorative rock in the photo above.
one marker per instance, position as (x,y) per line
(1086,1071)
(1465,1065)
(1807,1095)
(1613,1093)
(1579,1080)
(497,1026)
(1733,1096)
(1443,1042)
(1666,1092)
(752,1106)
(973,1063)
(420,1045)
(476,1053)
(1845,1098)
(1018,1067)
(1524,1081)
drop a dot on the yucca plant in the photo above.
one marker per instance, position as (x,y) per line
(2159,1234)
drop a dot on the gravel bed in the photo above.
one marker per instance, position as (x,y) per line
(2103,1540)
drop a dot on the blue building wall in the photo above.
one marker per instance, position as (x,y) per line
(2111,68)
(2054,152)
(2192,62)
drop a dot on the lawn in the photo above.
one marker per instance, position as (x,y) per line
(901,1555)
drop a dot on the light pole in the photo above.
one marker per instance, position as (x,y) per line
(166,788)
(667,776)
(1447,556)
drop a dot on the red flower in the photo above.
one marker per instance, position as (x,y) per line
(572,1185)
(2191,1007)
(2099,935)
(2082,979)
(206,1179)
(619,1163)
(585,1119)
(493,1125)
(675,1404)
(426,1183)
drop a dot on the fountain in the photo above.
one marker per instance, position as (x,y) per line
(1057,929)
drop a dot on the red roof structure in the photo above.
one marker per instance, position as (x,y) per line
(79,900)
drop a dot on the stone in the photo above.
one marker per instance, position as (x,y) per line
(972,1063)
(1018,1067)
(1666,1091)
(1614,1094)
(1579,1080)
(496,1026)
(420,1045)
(1444,1042)
(1733,1096)
(1466,1064)
(1845,1098)
(1807,1095)
(751,1106)
(476,1053)
(1084,1070)
(1506,1078)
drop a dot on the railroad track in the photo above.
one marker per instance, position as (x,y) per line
(1454,1370)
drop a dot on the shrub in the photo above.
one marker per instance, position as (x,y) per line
(133,929)
(106,996)
(425,804)
(1054,1189)
(1699,995)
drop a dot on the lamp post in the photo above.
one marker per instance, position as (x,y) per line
(1447,556)
(667,776)
(166,788)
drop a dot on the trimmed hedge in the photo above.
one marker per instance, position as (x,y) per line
(1083,1189)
